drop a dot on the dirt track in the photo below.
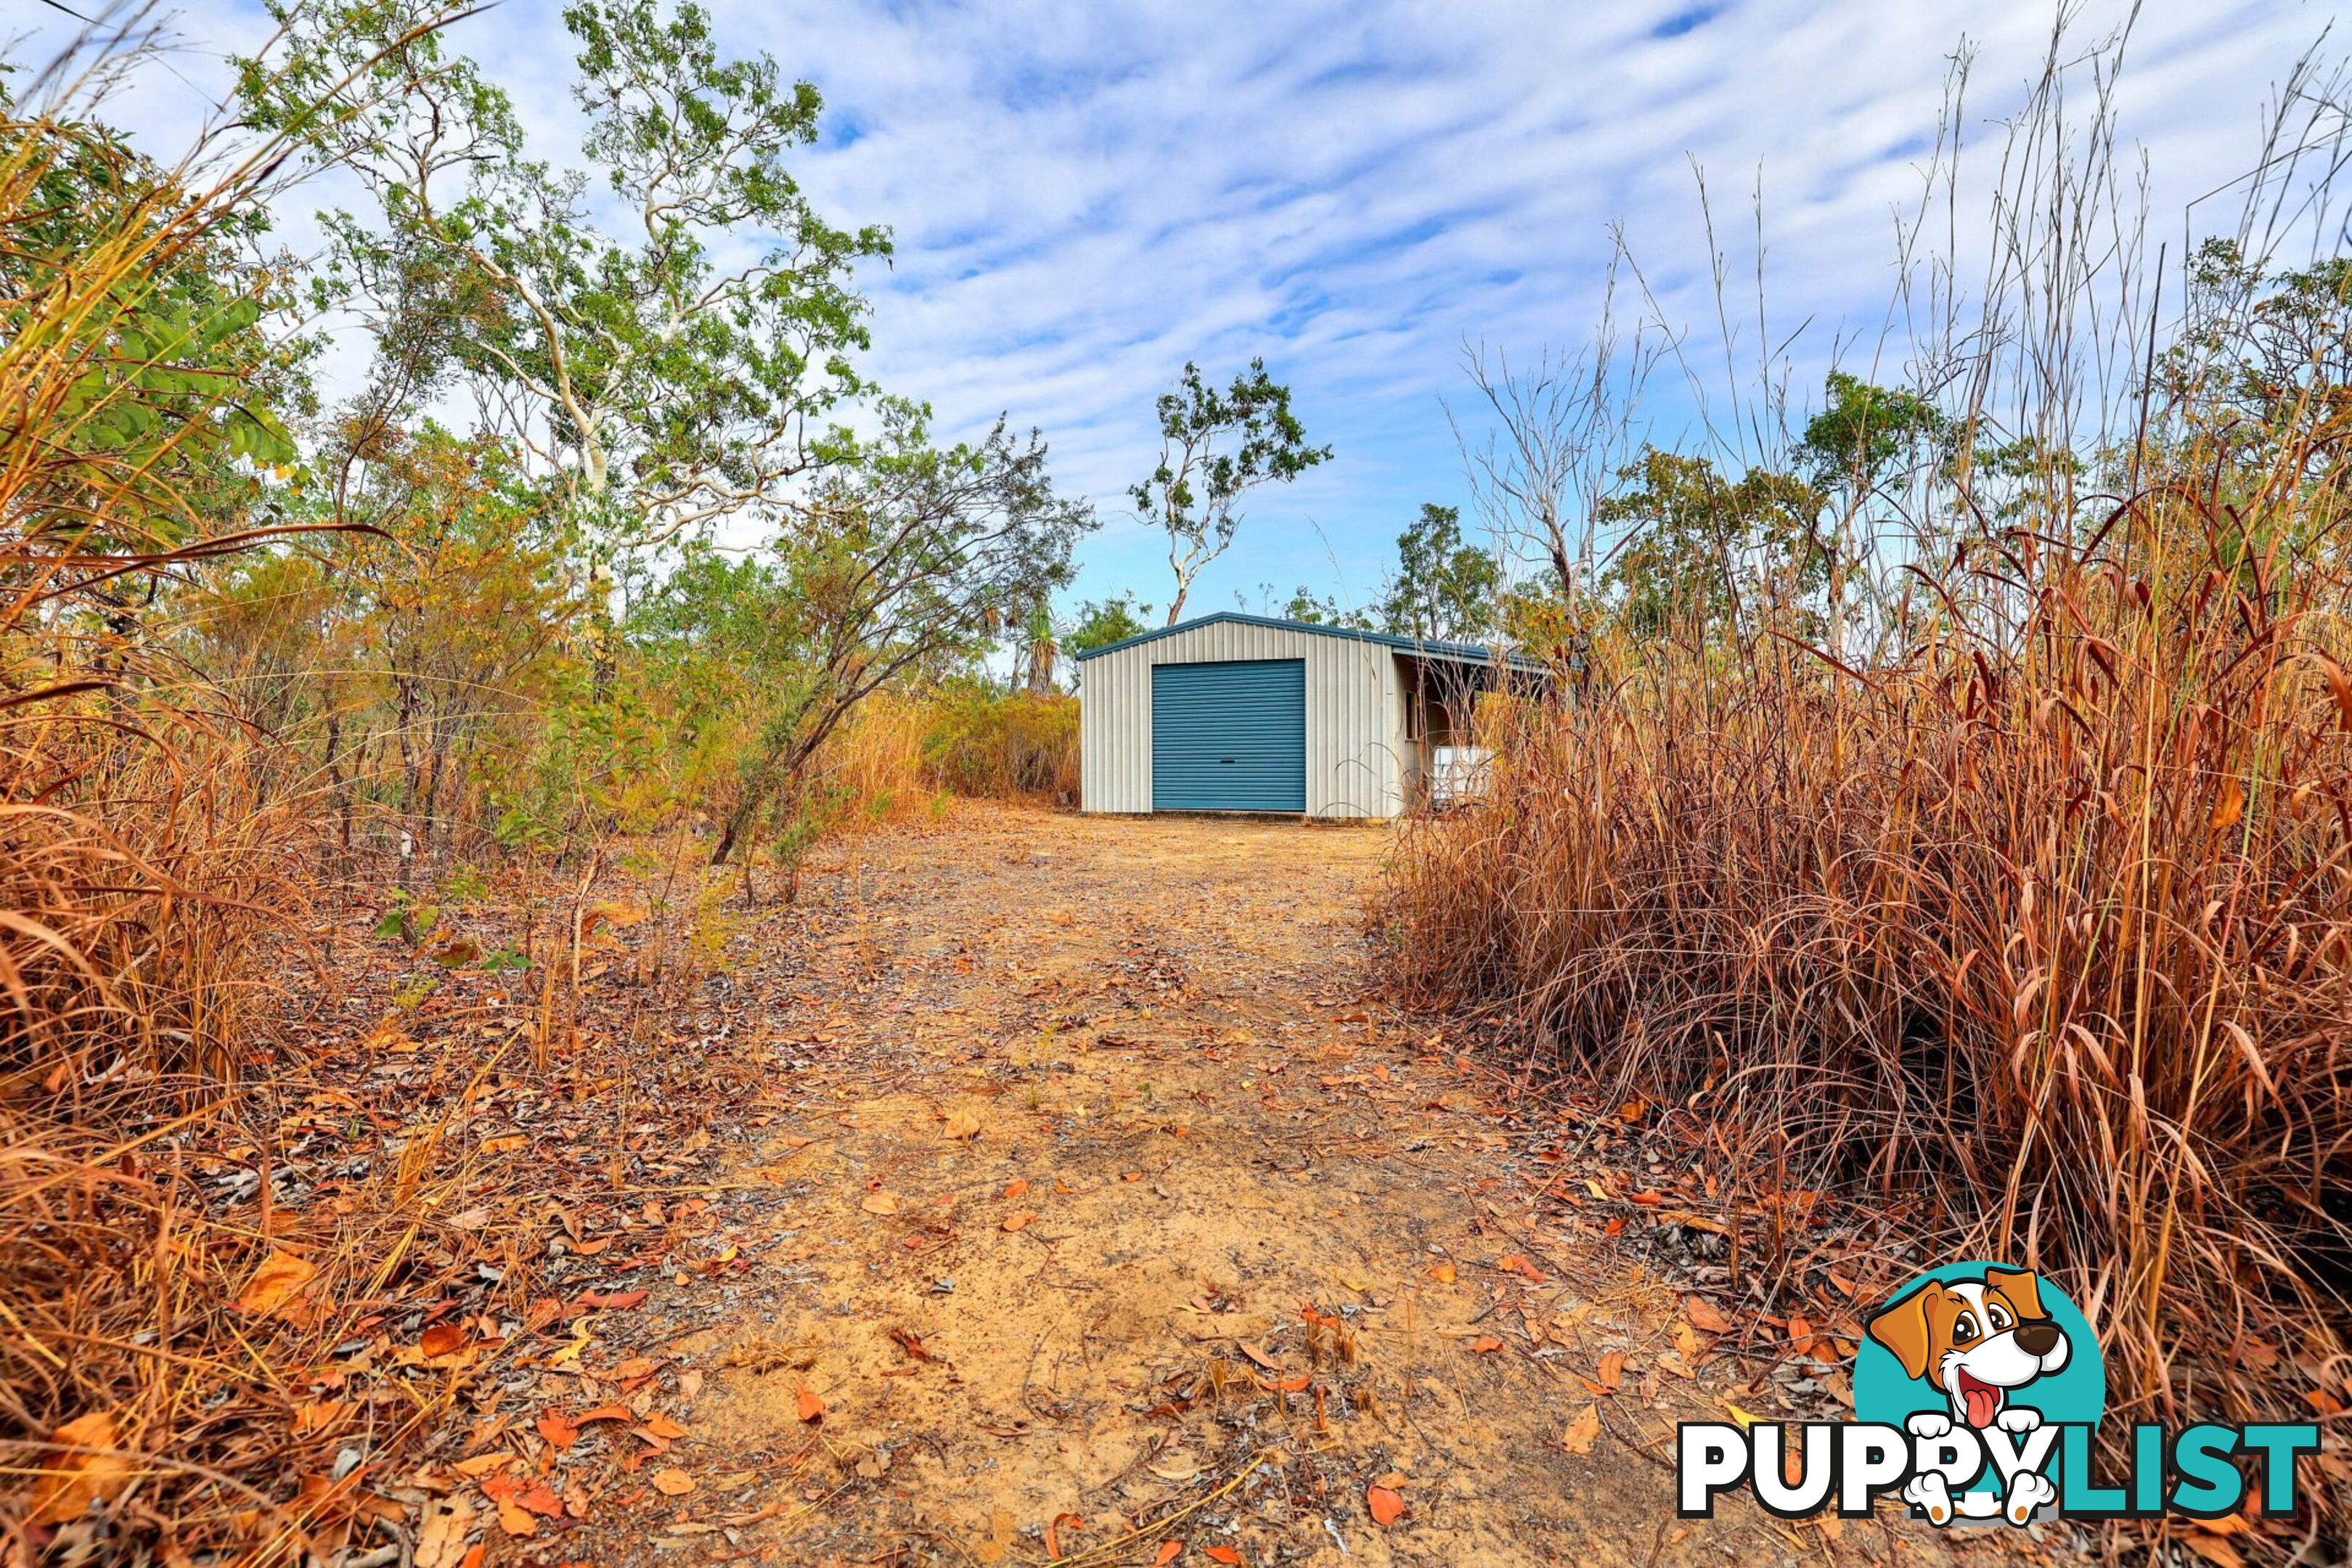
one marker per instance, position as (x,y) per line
(1100,1186)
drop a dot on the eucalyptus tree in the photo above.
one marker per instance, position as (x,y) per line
(661,339)
(1443,590)
(901,560)
(1215,447)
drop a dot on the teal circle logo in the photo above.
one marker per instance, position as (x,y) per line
(1976,1344)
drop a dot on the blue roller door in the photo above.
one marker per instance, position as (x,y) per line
(1229,736)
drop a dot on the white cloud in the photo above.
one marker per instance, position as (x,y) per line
(1084,197)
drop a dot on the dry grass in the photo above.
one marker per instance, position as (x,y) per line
(2027,914)
(901,754)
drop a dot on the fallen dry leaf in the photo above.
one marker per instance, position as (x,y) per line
(1015,1187)
(1225,1554)
(811,1404)
(2214,1550)
(1705,1316)
(70,1483)
(1169,1551)
(440,1340)
(1485,1344)
(1578,1438)
(672,1482)
(1386,1504)
(1613,1370)
(1018,1221)
(441,1535)
(963,1124)
(318,1414)
(1442,1272)
(557,1429)
(281,1277)
(1176,1465)
(879,1202)
(612,1301)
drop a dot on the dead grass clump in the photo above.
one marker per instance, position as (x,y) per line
(901,751)
(149,847)
(2011,889)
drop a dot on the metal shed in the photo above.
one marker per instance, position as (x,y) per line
(1248,713)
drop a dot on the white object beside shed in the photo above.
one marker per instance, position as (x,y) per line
(1246,713)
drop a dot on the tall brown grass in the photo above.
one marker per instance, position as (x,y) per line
(2025,911)
(148,852)
(902,752)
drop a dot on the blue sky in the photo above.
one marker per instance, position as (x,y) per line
(1084,195)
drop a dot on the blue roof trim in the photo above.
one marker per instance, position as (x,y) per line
(1459,652)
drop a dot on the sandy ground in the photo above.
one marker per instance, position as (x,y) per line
(1103,1207)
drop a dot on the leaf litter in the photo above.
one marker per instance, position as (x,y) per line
(1300,1248)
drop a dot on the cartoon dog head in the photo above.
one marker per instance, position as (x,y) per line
(1974,1340)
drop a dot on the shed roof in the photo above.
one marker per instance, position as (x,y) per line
(1452,652)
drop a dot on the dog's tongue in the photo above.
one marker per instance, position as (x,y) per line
(1983,1400)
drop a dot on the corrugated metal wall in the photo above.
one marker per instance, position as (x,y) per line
(1355,745)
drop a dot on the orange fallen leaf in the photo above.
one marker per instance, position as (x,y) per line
(1169,1551)
(1442,1273)
(1018,1221)
(1386,1504)
(1578,1438)
(1613,1370)
(1258,1357)
(612,1301)
(281,1277)
(70,1483)
(810,1404)
(516,1521)
(601,1412)
(316,1415)
(1485,1344)
(440,1340)
(963,1124)
(879,1202)
(1705,1316)
(481,1464)
(661,1425)
(672,1482)
(1221,1554)
(1015,1187)
(556,1428)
